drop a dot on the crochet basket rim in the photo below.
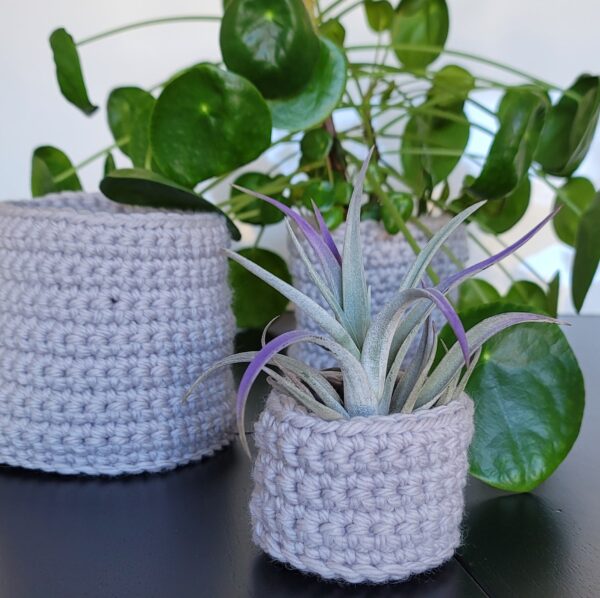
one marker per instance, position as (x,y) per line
(44,209)
(281,408)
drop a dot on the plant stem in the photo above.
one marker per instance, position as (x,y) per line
(331,7)
(65,174)
(259,235)
(348,9)
(147,23)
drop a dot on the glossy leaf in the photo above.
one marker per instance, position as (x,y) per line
(68,71)
(138,187)
(270,42)
(475,292)
(49,165)
(525,292)
(529,399)
(255,303)
(317,100)
(316,145)
(401,205)
(129,110)
(451,87)
(424,139)
(587,253)
(521,114)
(379,14)
(208,122)
(501,215)
(579,192)
(419,23)
(570,127)
(257,181)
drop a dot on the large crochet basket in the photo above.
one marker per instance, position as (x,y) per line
(107,315)
(387,259)
(370,499)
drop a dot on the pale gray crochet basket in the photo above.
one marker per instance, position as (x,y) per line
(107,315)
(370,499)
(387,259)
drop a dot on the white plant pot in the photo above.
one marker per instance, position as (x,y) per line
(107,315)
(387,258)
(369,499)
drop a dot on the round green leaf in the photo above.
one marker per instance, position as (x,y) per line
(379,14)
(52,172)
(255,303)
(319,97)
(270,42)
(257,181)
(208,122)
(426,141)
(334,31)
(68,71)
(502,214)
(138,187)
(525,292)
(451,87)
(529,399)
(316,145)
(580,192)
(129,110)
(419,23)
(475,292)
(400,204)
(569,128)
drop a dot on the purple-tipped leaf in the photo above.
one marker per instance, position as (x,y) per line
(453,361)
(325,233)
(331,266)
(456,279)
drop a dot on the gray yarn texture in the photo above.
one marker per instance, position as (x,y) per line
(108,313)
(364,500)
(387,259)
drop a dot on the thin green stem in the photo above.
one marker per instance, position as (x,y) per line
(331,7)
(560,194)
(259,235)
(147,23)
(348,9)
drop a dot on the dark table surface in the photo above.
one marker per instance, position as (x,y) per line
(186,533)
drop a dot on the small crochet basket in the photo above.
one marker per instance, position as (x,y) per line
(387,259)
(370,499)
(107,315)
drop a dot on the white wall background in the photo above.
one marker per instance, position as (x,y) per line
(553,39)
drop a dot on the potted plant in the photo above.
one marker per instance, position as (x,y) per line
(107,313)
(401,94)
(360,471)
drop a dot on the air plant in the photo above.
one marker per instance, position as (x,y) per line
(373,378)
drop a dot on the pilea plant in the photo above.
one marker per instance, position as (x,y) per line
(290,80)
(374,378)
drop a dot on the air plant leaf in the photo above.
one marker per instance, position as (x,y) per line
(355,296)
(453,361)
(313,309)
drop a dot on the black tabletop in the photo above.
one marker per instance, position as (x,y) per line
(186,533)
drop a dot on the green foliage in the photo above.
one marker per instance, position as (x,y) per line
(379,14)
(68,71)
(399,205)
(476,292)
(265,213)
(270,42)
(316,145)
(578,192)
(529,399)
(422,24)
(255,303)
(138,187)
(52,171)
(129,110)
(570,128)
(521,114)
(319,97)
(208,122)
(587,252)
